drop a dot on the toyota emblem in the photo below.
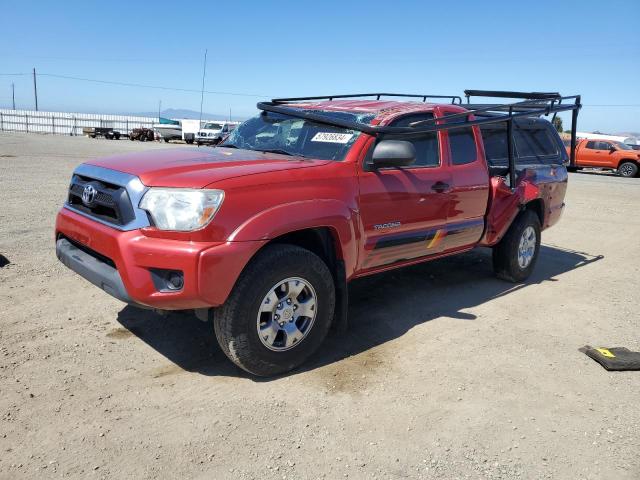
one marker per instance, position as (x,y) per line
(89,195)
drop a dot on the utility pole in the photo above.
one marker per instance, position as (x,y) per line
(13,95)
(204,73)
(35,88)
(159,109)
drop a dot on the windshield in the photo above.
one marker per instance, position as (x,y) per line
(622,146)
(212,126)
(296,136)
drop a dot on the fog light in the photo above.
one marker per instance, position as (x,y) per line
(175,281)
(167,280)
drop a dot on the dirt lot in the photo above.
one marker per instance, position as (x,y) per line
(445,372)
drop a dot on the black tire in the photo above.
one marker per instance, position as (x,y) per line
(189,141)
(505,253)
(628,169)
(143,137)
(572,169)
(117,136)
(235,322)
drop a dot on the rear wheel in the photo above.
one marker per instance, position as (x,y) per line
(279,311)
(628,169)
(515,256)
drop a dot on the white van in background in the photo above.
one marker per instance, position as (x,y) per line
(212,133)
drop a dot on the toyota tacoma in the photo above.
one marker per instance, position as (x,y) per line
(263,233)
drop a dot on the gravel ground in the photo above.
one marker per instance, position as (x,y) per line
(445,371)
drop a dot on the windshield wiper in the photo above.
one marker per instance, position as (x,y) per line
(276,150)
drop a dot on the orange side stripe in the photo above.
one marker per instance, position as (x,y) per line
(437,238)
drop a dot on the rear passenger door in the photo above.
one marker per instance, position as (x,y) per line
(469,187)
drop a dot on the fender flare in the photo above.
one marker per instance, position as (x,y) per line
(302,215)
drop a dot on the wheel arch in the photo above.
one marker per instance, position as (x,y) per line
(537,207)
(311,223)
(323,241)
(628,160)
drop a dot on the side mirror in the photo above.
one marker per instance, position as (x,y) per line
(612,148)
(393,153)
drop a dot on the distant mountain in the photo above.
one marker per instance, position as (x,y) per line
(185,113)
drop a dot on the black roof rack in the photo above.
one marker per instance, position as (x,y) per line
(506,94)
(454,98)
(531,104)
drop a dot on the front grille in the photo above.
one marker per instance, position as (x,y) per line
(111,203)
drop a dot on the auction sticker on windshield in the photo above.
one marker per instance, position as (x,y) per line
(332,137)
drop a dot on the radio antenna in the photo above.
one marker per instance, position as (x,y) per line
(204,74)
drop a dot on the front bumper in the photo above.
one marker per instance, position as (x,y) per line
(122,262)
(90,267)
(208,140)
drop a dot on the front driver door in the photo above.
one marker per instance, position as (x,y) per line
(403,211)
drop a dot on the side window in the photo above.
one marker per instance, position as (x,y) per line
(604,146)
(427,152)
(495,145)
(591,145)
(462,143)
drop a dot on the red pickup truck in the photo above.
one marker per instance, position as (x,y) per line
(263,233)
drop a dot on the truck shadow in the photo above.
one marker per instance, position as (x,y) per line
(381,308)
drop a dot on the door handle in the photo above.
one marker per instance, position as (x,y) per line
(440,187)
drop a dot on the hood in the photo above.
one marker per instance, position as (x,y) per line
(199,167)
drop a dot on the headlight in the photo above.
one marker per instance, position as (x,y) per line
(181,208)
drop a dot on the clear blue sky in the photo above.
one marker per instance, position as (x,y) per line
(288,48)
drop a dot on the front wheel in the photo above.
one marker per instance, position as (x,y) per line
(279,311)
(628,169)
(515,256)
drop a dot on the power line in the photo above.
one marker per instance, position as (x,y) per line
(158,87)
(191,90)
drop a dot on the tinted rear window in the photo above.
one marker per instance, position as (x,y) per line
(534,142)
(531,145)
